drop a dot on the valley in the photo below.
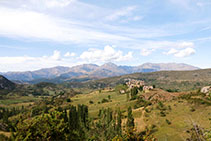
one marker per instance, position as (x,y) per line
(167,111)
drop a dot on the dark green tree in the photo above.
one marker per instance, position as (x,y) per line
(119,122)
(134,92)
(130,119)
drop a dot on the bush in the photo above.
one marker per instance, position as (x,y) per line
(168,122)
(135,107)
(147,110)
(3,137)
(68,100)
(162,114)
(169,107)
(172,90)
(104,100)
(192,109)
(109,96)
(91,102)
(142,103)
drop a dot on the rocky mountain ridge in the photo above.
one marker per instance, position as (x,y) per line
(92,71)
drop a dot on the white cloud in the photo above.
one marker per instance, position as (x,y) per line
(121,13)
(57,3)
(108,54)
(68,54)
(56,55)
(185,44)
(181,53)
(184,49)
(26,63)
(35,25)
(185,52)
(97,56)
(137,18)
(171,51)
(146,52)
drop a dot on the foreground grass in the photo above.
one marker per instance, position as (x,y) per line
(180,114)
(116,101)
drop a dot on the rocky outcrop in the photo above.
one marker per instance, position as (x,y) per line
(206,89)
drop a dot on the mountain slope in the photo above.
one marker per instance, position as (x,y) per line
(91,71)
(167,66)
(5,85)
(172,80)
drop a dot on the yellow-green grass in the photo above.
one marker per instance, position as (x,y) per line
(180,115)
(18,100)
(117,101)
(181,118)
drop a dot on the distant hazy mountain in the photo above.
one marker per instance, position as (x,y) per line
(91,71)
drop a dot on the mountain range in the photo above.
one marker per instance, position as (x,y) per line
(90,72)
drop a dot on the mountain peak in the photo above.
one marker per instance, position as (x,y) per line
(110,64)
(94,71)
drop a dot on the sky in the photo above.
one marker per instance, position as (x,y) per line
(38,34)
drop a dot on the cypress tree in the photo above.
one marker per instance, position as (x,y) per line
(128,96)
(73,118)
(130,119)
(65,116)
(119,122)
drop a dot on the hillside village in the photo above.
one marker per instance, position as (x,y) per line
(131,83)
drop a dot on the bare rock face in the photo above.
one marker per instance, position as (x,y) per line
(206,89)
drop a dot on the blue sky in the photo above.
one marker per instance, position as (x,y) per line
(38,34)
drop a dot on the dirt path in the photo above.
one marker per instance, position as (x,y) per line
(139,122)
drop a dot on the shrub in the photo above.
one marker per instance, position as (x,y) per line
(147,110)
(109,96)
(169,107)
(168,122)
(192,109)
(135,107)
(104,100)
(68,100)
(162,114)
(3,137)
(91,102)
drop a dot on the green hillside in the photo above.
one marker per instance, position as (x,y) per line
(98,110)
(179,114)
(172,80)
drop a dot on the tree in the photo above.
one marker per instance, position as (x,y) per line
(119,122)
(83,114)
(47,126)
(133,92)
(73,118)
(128,96)
(130,119)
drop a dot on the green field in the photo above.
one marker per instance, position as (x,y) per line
(180,114)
